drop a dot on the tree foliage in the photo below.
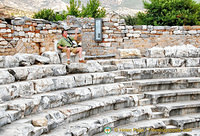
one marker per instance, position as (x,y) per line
(170,12)
(73,9)
(130,20)
(50,15)
(92,9)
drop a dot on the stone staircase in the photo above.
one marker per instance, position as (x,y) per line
(146,96)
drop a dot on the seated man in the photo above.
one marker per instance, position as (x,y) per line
(67,45)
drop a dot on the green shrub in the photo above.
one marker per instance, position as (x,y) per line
(92,9)
(170,12)
(130,20)
(50,15)
(73,9)
(47,14)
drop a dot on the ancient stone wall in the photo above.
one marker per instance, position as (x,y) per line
(117,35)
(26,35)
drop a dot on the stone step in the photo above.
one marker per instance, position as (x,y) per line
(117,73)
(28,88)
(53,58)
(10,75)
(156,115)
(186,121)
(131,91)
(155,63)
(88,126)
(179,108)
(108,68)
(40,102)
(165,84)
(144,102)
(157,73)
(105,62)
(166,96)
(120,79)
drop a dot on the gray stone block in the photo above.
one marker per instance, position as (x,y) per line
(177,62)
(192,62)
(53,56)
(156,52)
(11,61)
(25,59)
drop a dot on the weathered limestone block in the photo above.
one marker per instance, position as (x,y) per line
(182,51)
(127,64)
(108,68)
(59,70)
(4,94)
(94,66)
(139,63)
(119,64)
(18,21)
(192,32)
(114,89)
(77,68)
(192,62)
(170,51)
(25,59)
(83,79)
(177,62)
(14,115)
(21,89)
(72,111)
(80,94)
(187,72)
(192,51)
(53,56)
(129,53)
(157,62)
(48,71)
(99,78)
(89,67)
(35,72)
(40,122)
(151,62)
(63,82)
(198,50)
(97,91)
(42,59)
(6,77)
(20,129)
(26,106)
(44,85)
(156,52)
(4,119)
(19,73)
(2,61)
(105,62)
(163,62)
(11,61)
(50,100)
(56,116)
(2,25)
